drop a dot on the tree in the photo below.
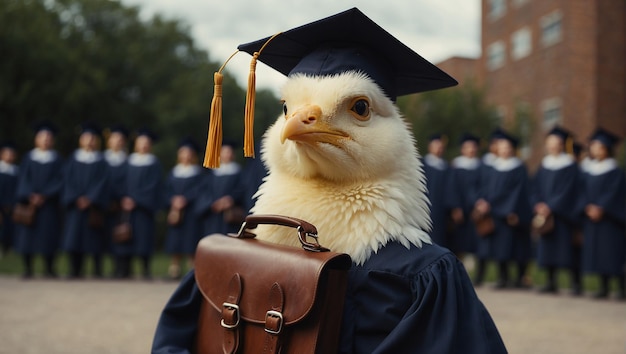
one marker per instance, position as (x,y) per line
(451,112)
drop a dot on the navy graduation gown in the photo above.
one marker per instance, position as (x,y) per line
(86,178)
(507,190)
(8,185)
(557,187)
(436,171)
(45,177)
(116,187)
(183,238)
(251,178)
(604,247)
(464,187)
(143,185)
(399,301)
(214,186)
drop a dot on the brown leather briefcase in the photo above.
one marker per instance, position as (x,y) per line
(260,297)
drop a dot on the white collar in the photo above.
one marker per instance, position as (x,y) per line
(596,168)
(7,168)
(584,164)
(553,163)
(115,158)
(43,156)
(489,158)
(466,163)
(435,162)
(185,171)
(504,165)
(227,169)
(136,159)
(87,157)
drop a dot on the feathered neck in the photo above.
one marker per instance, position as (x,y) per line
(356,218)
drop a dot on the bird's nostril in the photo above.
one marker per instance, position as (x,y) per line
(309,120)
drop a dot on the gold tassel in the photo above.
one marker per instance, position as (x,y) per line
(214,138)
(248,140)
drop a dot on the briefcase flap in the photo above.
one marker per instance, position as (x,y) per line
(261,264)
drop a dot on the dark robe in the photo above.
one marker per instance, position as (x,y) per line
(507,191)
(604,247)
(437,185)
(88,179)
(45,178)
(399,301)
(183,238)
(464,187)
(251,178)
(215,185)
(143,185)
(8,185)
(557,187)
(118,167)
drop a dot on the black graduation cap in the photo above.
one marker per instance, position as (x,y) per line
(147,132)
(607,138)
(350,41)
(230,142)
(8,144)
(190,143)
(90,127)
(510,138)
(560,132)
(469,137)
(119,129)
(47,126)
(497,133)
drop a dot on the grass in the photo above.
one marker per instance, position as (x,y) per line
(11,265)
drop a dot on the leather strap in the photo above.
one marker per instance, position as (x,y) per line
(231,316)
(274,320)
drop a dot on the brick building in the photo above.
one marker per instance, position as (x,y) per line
(548,62)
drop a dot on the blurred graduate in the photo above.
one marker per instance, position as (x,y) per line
(342,158)
(39,184)
(182,188)
(142,198)
(463,191)
(8,184)
(84,199)
(554,192)
(437,171)
(504,195)
(604,212)
(116,156)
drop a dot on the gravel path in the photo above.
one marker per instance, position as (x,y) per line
(107,317)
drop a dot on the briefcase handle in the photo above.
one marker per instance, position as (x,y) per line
(304,229)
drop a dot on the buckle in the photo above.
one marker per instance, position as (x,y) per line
(235,308)
(274,314)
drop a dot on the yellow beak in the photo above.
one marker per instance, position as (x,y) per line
(306,125)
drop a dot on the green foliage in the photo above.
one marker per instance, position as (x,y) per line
(76,60)
(451,112)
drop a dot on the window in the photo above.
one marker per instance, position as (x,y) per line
(551,109)
(551,28)
(495,55)
(497,8)
(521,43)
(520,3)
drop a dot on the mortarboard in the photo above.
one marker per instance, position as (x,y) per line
(90,127)
(347,41)
(119,129)
(469,137)
(560,132)
(147,132)
(190,143)
(8,145)
(607,138)
(350,41)
(496,134)
(510,138)
(47,126)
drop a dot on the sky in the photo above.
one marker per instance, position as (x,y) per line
(436,29)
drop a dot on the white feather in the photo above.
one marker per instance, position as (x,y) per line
(361,195)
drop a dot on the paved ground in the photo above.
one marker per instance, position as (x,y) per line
(106,317)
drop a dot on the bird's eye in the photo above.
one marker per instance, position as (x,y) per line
(360,108)
(285,108)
